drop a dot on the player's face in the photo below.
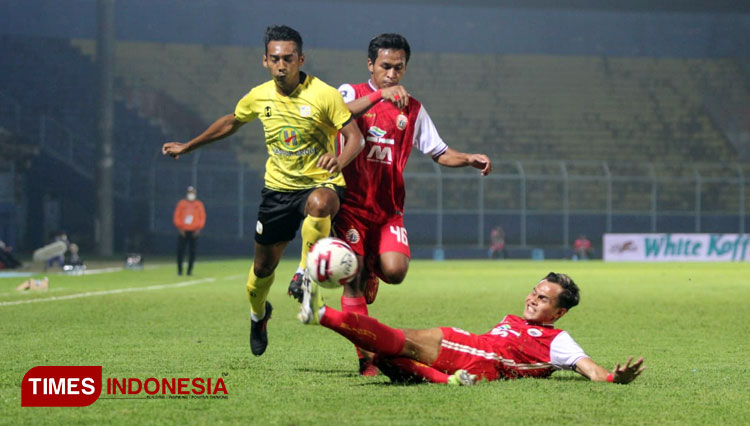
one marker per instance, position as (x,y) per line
(283,61)
(389,68)
(541,303)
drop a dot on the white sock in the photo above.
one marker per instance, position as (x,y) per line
(257,318)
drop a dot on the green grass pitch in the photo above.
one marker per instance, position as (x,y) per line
(687,320)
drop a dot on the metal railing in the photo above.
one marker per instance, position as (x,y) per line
(538,203)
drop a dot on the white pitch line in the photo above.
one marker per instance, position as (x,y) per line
(113,269)
(114,291)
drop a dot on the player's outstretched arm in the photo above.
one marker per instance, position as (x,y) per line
(620,374)
(219,129)
(453,158)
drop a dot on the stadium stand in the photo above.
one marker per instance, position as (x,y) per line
(572,108)
(50,84)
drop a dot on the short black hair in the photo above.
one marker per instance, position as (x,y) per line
(570,296)
(282,33)
(388,41)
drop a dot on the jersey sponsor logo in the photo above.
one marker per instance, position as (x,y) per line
(300,153)
(290,138)
(380,154)
(267,111)
(533,332)
(305,111)
(376,131)
(352,235)
(380,140)
(401,121)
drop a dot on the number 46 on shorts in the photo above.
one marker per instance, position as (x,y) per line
(400,233)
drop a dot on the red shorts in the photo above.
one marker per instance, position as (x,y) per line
(371,239)
(461,350)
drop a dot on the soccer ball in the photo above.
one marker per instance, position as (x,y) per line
(331,263)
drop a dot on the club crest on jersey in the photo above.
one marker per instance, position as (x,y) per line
(401,121)
(290,138)
(267,111)
(305,111)
(533,332)
(352,236)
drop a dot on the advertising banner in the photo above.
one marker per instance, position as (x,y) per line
(676,247)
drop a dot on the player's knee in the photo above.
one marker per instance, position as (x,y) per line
(394,276)
(263,270)
(321,203)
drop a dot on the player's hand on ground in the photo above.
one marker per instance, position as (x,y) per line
(396,94)
(329,162)
(628,372)
(481,162)
(173,149)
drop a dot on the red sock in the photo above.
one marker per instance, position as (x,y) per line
(356,305)
(365,332)
(415,367)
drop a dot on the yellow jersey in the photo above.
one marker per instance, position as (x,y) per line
(299,128)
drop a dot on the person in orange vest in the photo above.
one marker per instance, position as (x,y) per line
(189,218)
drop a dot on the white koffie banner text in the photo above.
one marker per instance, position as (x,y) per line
(676,247)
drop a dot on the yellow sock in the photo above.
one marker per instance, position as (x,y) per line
(257,292)
(313,229)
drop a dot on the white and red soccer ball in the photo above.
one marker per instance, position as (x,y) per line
(331,263)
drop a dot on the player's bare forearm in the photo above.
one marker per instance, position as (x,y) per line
(619,374)
(353,145)
(395,94)
(359,106)
(453,158)
(219,129)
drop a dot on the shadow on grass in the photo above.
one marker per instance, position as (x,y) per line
(337,372)
(567,378)
(353,374)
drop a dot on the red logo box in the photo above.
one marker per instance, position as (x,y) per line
(61,386)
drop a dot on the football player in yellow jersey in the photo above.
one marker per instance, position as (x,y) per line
(303,179)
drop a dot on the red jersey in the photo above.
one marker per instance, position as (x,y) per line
(528,350)
(512,349)
(374,179)
(582,244)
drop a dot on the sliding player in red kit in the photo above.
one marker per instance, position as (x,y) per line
(517,347)
(371,217)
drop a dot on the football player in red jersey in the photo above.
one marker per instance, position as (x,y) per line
(371,216)
(526,346)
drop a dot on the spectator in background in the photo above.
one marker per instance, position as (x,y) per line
(189,218)
(72,257)
(582,248)
(60,260)
(7,260)
(497,243)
